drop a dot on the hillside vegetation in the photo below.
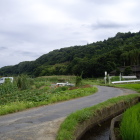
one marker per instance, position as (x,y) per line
(90,60)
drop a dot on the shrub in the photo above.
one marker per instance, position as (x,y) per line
(23,82)
(78,81)
(115,78)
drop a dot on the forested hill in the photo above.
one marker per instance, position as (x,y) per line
(91,60)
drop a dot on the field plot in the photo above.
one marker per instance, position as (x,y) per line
(39,91)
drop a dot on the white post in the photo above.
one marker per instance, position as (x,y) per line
(105,78)
(120,76)
(108,78)
(105,73)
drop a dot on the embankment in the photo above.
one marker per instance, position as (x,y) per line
(100,113)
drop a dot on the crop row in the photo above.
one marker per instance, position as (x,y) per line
(43,94)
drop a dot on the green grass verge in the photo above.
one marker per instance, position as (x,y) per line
(26,99)
(93,81)
(130,124)
(134,86)
(68,127)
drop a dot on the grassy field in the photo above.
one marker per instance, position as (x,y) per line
(39,91)
(130,124)
(133,86)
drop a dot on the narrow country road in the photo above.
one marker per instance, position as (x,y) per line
(41,123)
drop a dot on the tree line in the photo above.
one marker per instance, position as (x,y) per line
(91,60)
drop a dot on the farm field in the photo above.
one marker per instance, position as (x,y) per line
(26,92)
(130,124)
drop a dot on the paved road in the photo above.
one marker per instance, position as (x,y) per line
(26,124)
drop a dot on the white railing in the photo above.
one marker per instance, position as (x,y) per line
(128,81)
(129,77)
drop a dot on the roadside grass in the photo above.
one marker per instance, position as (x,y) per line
(41,93)
(133,86)
(93,81)
(68,127)
(130,124)
(15,107)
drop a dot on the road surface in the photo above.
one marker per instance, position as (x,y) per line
(42,122)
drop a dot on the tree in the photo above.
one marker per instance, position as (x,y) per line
(93,59)
(127,71)
(117,72)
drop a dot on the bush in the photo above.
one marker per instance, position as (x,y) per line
(115,78)
(23,82)
(78,81)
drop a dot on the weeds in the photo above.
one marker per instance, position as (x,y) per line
(23,82)
(8,88)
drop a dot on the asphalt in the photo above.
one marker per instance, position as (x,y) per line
(42,123)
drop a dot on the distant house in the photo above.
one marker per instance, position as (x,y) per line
(135,71)
(2,80)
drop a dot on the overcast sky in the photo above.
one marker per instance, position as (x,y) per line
(31,28)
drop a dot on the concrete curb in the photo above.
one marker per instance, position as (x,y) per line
(114,124)
(103,115)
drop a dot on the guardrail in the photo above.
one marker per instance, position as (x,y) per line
(128,81)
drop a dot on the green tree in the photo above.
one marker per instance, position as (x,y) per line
(127,71)
(117,72)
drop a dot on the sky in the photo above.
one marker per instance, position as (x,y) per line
(31,28)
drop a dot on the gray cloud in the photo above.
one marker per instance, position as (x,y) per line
(107,24)
(29,29)
(3,48)
(25,54)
